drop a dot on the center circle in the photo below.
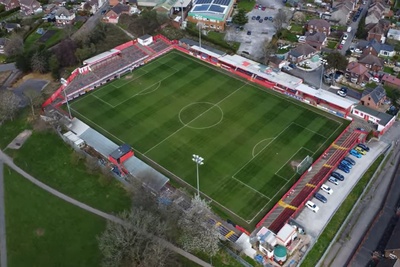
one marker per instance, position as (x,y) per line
(201,115)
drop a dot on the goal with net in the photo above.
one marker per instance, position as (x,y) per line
(304,165)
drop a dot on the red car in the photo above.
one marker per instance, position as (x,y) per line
(263,8)
(256,6)
(340,46)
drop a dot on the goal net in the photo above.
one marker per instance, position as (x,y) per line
(304,165)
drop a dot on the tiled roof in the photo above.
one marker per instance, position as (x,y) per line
(318,37)
(376,94)
(302,50)
(371,60)
(384,117)
(119,8)
(357,68)
(319,23)
(391,79)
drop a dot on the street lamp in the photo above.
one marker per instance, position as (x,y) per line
(182,14)
(199,161)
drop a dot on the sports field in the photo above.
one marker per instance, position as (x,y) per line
(251,140)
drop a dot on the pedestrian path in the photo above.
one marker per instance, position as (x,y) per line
(3,243)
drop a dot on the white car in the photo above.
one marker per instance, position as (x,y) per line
(287,68)
(375,80)
(345,36)
(343,41)
(341,93)
(327,189)
(311,205)
(333,180)
(358,51)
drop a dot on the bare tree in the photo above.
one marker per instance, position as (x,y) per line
(130,244)
(39,62)
(92,164)
(34,98)
(197,235)
(14,46)
(269,49)
(9,105)
(280,19)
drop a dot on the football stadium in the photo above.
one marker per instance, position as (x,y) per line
(258,130)
(175,106)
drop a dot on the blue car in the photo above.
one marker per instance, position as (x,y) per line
(349,160)
(320,197)
(355,153)
(345,163)
(337,176)
(344,168)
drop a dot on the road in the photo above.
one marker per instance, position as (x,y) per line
(7,160)
(354,26)
(3,240)
(91,23)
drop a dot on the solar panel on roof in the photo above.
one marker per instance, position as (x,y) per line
(199,2)
(201,8)
(222,2)
(216,8)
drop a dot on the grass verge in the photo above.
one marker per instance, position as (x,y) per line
(43,230)
(340,216)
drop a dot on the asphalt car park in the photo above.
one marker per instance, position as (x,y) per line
(314,223)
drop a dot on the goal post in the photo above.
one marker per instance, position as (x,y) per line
(304,164)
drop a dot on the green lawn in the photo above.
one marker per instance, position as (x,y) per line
(43,230)
(176,106)
(34,37)
(247,5)
(296,28)
(340,216)
(332,44)
(49,159)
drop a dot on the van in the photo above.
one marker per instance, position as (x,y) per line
(349,29)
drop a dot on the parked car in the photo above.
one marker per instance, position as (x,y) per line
(355,153)
(345,36)
(265,18)
(293,66)
(248,32)
(320,197)
(375,79)
(357,50)
(360,150)
(363,147)
(337,176)
(347,164)
(263,8)
(311,205)
(287,68)
(350,160)
(333,180)
(253,18)
(340,46)
(344,168)
(341,93)
(260,20)
(326,189)
(343,41)
(361,129)
(258,17)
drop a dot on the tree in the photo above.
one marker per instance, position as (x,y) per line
(197,235)
(14,46)
(361,33)
(34,97)
(269,49)
(280,19)
(65,53)
(129,244)
(85,52)
(39,62)
(336,61)
(9,104)
(240,17)
(54,67)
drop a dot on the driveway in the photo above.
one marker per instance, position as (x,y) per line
(7,67)
(31,84)
(313,78)
(260,32)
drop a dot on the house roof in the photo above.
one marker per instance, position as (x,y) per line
(3,41)
(302,50)
(391,79)
(120,8)
(376,94)
(384,117)
(11,25)
(30,3)
(318,37)
(386,262)
(319,23)
(379,27)
(372,60)
(357,68)
(374,44)
(120,151)
(394,241)
(394,32)
(62,11)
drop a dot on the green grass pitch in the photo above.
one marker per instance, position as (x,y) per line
(251,139)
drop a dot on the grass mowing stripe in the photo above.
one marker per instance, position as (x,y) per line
(250,118)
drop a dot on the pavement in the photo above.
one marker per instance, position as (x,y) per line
(260,32)
(30,84)
(315,223)
(91,23)
(7,67)
(3,243)
(7,160)
(312,78)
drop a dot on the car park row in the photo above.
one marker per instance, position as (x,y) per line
(345,165)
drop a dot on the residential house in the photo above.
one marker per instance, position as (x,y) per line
(319,25)
(391,81)
(376,12)
(373,98)
(316,39)
(357,73)
(301,52)
(64,16)
(381,120)
(29,7)
(341,11)
(392,249)
(113,15)
(393,34)
(213,15)
(95,5)
(276,62)
(371,62)
(9,4)
(11,26)
(375,48)
(3,42)
(378,30)
(113,2)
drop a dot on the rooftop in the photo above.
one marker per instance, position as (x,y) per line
(384,117)
(120,151)
(211,9)
(394,241)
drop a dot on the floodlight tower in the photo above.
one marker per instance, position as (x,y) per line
(199,161)
(182,14)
